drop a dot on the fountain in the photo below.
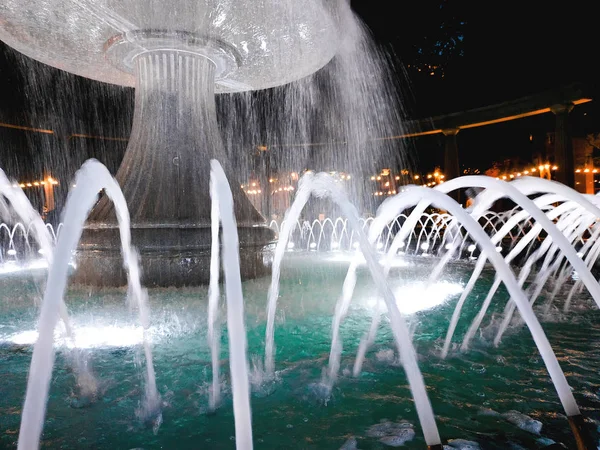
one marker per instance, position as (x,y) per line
(567,218)
(177,56)
(295,380)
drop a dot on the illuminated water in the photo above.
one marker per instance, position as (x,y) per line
(291,413)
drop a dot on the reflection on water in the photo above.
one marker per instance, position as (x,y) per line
(496,397)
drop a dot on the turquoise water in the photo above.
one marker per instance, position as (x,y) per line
(292,413)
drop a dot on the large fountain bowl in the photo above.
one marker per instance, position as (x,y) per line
(254,44)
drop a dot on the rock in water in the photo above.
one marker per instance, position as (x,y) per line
(381,429)
(523,421)
(350,444)
(399,438)
(488,412)
(462,444)
(318,393)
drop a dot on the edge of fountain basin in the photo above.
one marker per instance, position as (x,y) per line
(183,236)
(122,49)
(176,256)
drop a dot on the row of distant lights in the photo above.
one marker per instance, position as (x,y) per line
(254,189)
(294,176)
(541,169)
(416,177)
(13,252)
(527,172)
(50,180)
(394,192)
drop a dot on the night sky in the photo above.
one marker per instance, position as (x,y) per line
(485,53)
(490,52)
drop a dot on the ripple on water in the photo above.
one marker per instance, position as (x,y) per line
(509,380)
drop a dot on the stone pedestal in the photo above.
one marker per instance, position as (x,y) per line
(451,164)
(170,256)
(165,177)
(563,146)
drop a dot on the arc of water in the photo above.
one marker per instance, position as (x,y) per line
(514,220)
(366,341)
(288,225)
(555,271)
(311,233)
(572,224)
(369,337)
(214,335)
(236,328)
(592,247)
(498,188)
(576,228)
(343,303)
(90,179)
(591,250)
(340,224)
(562,272)
(450,250)
(444,223)
(424,233)
(491,222)
(476,272)
(463,297)
(324,185)
(551,262)
(375,231)
(476,323)
(553,251)
(274,225)
(509,311)
(22,206)
(516,250)
(569,218)
(440,200)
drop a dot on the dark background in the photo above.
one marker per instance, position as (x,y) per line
(487,53)
(483,53)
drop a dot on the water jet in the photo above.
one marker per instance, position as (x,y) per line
(178,55)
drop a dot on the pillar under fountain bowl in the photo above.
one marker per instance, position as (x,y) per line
(177,55)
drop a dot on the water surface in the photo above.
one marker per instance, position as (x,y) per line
(471,393)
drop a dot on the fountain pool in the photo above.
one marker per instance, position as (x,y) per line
(472,393)
(106,389)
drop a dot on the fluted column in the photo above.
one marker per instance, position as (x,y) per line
(165,176)
(563,145)
(451,164)
(165,172)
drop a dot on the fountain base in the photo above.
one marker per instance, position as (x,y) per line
(170,256)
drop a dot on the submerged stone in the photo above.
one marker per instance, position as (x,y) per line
(399,438)
(523,421)
(350,444)
(462,444)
